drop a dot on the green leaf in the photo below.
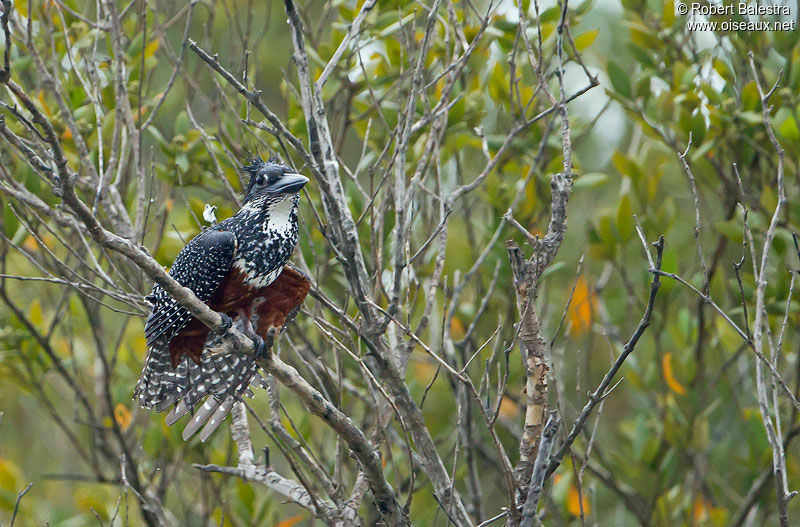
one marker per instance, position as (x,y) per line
(584,40)
(625,217)
(669,264)
(182,161)
(135,47)
(788,129)
(619,79)
(591,180)
(182,123)
(731,229)
(668,13)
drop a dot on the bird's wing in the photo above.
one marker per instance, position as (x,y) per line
(280,301)
(200,266)
(225,378)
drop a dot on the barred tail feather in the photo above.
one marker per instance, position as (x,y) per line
(154,381)
(219,379)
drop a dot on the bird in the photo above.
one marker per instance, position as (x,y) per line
(239,268)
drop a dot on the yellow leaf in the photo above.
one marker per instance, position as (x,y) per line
(669,377)
(668,13)
(439,88)
(62,346)
(31,244)
(288,426)
(423,370)
(122,416)
(457,329)
(87,499)
(138,345)
(49,240)
(290,522)
(44,104)
(35,313)
(705,513)
(574,504)
(151,48)
(534,229)
(9,475)
(584,40)
(508,408)
(581,308)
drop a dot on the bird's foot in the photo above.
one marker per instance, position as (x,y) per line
(261,349)
(227,323)
(263,346)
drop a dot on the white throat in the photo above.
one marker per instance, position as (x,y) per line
(280,215)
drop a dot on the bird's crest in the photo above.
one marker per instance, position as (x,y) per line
(252,169)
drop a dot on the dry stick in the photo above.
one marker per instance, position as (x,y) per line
(778,456)
(176,69)
(248,470)
(20,495)
(352,33)
(433,464)
(368,457)
(599,393)
(538,476)
(527,274)
(323,152)
(5,73)
(759,485)
(254,98)
(401,201)
(688,171)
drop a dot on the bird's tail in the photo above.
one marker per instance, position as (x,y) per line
(219,378)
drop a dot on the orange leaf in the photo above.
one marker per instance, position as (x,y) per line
(31,244)
(423,370)
(581,308)
(669,377)
(290,522)
(122,416)
(574,505)
(457,329)
(508,408)
(700,510)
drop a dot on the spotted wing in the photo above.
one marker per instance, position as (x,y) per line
(200,266)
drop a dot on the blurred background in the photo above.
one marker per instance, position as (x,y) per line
(680,441)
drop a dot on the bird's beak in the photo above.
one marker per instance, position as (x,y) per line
(288,184)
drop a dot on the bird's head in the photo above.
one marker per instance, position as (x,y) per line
(271,181)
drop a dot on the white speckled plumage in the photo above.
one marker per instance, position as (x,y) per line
(257,241)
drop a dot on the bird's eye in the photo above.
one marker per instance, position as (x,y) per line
(259,179)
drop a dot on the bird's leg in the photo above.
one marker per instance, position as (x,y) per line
(247,325)
(227,323)
(261,349)
(262,346)
(270,340)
